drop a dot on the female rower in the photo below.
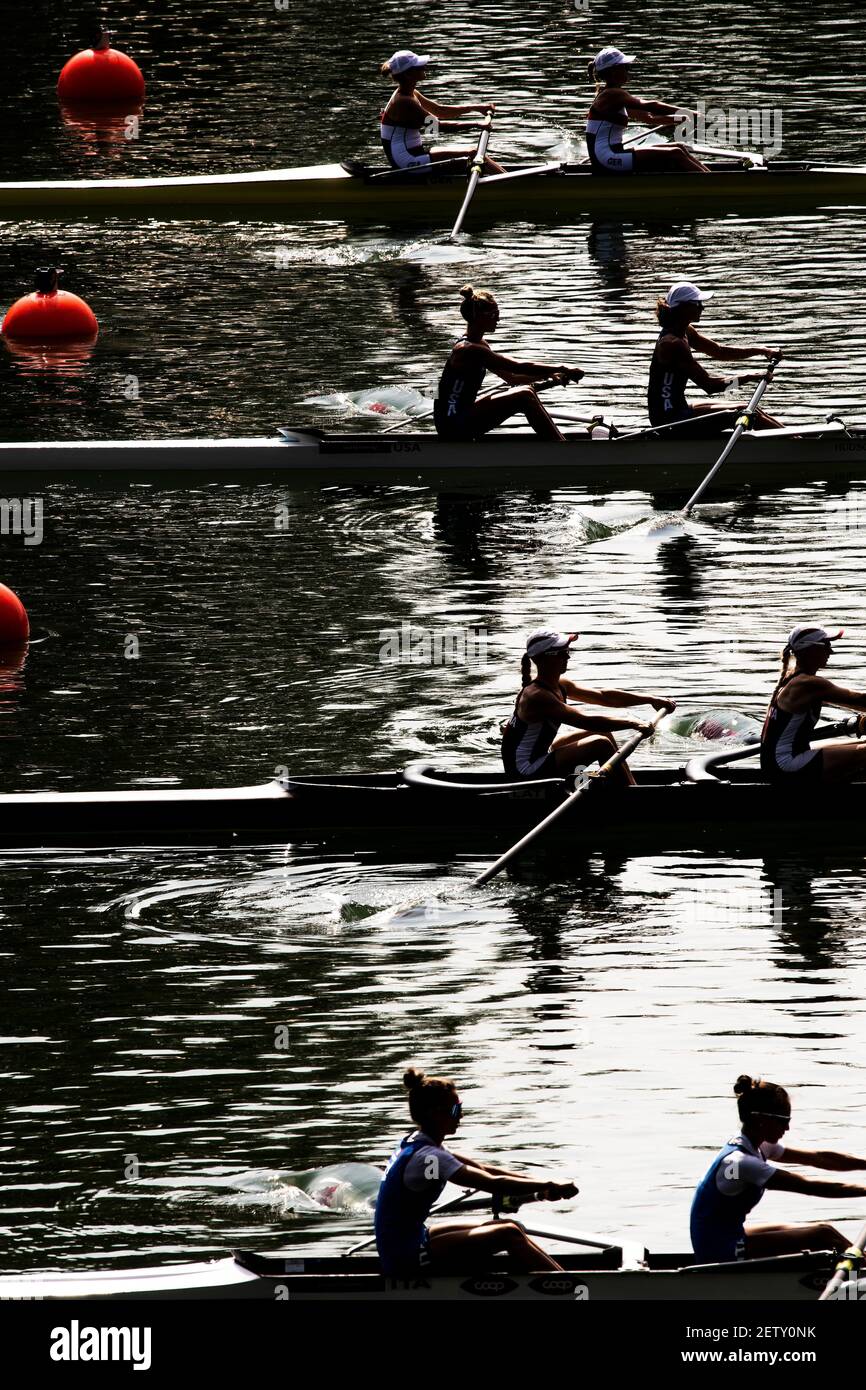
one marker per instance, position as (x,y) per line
(402,121)
(746,1167)
(608,117)
(787,756)
(530,747)
(414,1179)
(674,365)
(457,412)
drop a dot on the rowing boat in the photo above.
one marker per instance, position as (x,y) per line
(356,191)
(688,804)
(298,1276)
(648,459)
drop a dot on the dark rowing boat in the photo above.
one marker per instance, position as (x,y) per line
(702,800)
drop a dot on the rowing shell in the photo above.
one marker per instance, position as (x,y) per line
(290,1278)
(328,191)
(647,459)
(672,803)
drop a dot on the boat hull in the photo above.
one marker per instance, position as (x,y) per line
(663,807)
(792,1278)
(652,462)
(329,191)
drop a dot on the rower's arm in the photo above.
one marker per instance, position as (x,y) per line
(823,1158)
(814,1187)
(450,113)
(829,693)
(547,704)
(490,1168)
(677,354)
(471,1175)
(522,373)
(650,112)
(615,699)
(721,353)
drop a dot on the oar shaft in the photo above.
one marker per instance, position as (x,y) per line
(477,166)
(743,423)
(538,830)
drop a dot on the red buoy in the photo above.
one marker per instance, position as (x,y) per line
(14,622)
(101,77)
(50,315)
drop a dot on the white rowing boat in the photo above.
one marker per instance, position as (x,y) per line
(644,458)
(304,1277)
(359,192)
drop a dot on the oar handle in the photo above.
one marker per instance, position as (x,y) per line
(538,830)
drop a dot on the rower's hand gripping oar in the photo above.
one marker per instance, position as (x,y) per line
(588,781)
(848,1265)
(475,167)
(743,423)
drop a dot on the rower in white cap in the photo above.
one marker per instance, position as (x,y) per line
(787,756)
(609,116)
(674,365)
(402,121)
(530,747)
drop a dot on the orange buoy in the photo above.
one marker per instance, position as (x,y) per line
(101,76)
(14,622)
(49,314)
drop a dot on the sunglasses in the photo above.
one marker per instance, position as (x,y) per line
(457,1111)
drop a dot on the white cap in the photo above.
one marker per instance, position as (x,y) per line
(807,635)
(404,59)
(546,639)
(684,292)
(612,58)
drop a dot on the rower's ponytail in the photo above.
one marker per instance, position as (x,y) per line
(427,1094)
(525,668)
(783,674)
(593,75)
(760,1097)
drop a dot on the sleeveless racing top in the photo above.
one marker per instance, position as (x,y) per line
(717,1221)
(604,141)
(525,747)
(786,737)
(402,144)
(459,384)
(401,1213)
(666,394)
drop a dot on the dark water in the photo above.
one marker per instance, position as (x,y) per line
(595,1013)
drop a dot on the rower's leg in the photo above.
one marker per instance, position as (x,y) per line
(762,1241)
(762,421)
(844,761)
(520,400)
(490,165)
(459,1247)
(578,750)
(661,158)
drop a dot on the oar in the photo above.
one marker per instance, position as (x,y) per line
(849,1264)
(537,831)
(476,167)
(743,423)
